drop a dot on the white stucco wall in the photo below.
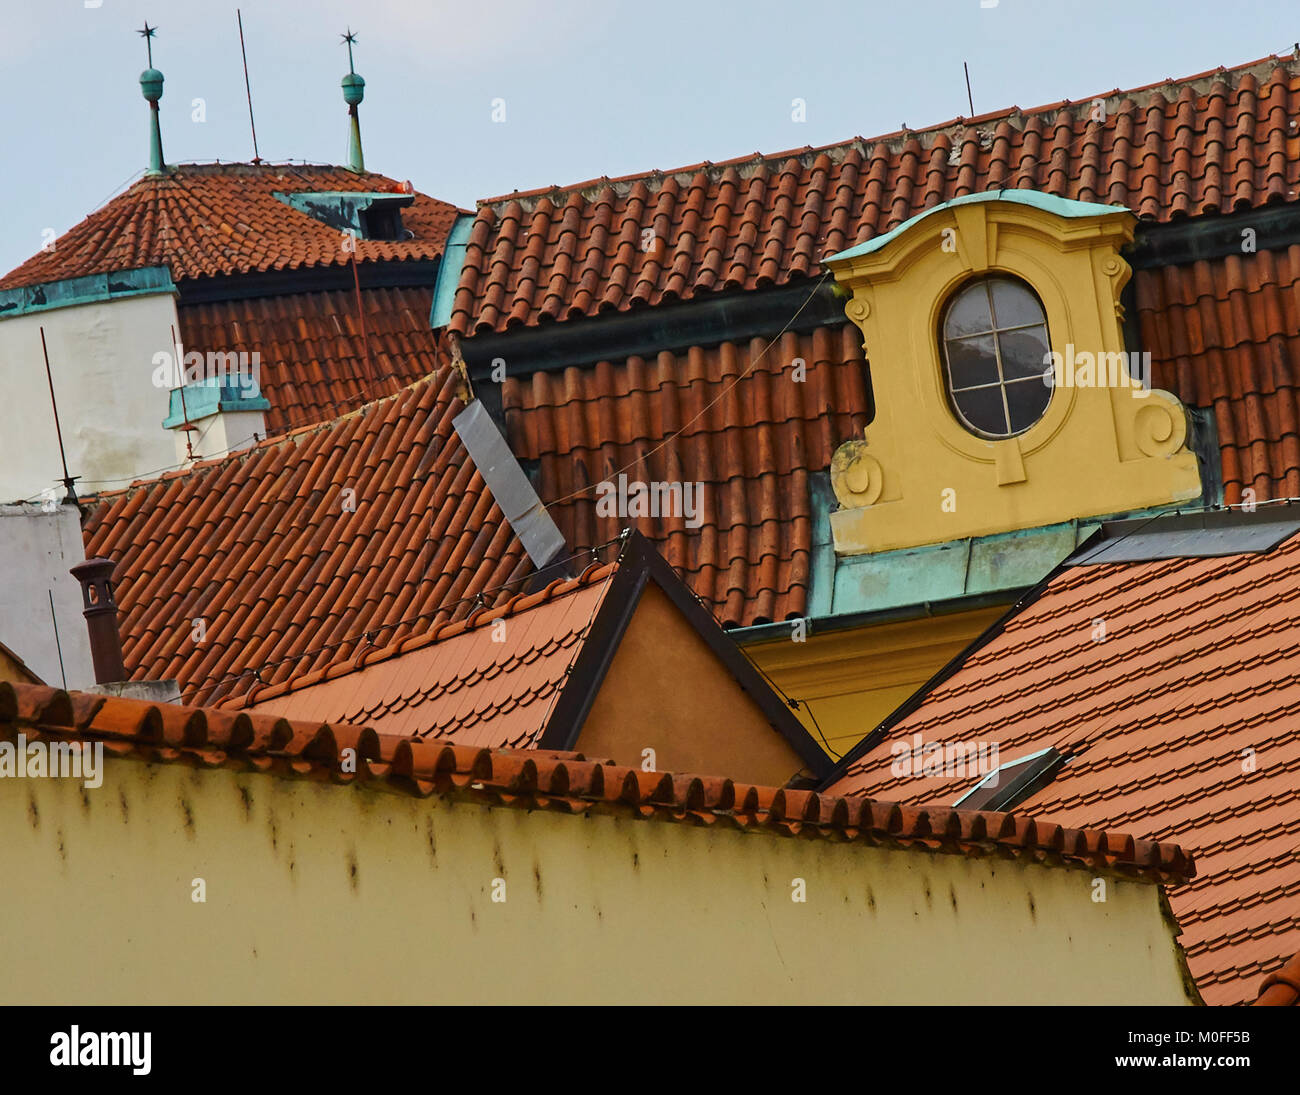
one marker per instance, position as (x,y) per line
(218,434)
(37,549)
(101,357)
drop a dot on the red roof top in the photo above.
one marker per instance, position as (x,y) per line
(1215,142)
(1181,721)
(313,358)
(203,220)
(1226,334)
(565,783)
(754,450)
(484,686)
(301,551)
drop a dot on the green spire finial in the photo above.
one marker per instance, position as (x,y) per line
(151,87)
(354,90)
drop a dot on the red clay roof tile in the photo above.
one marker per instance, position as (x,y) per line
(299,552)
(568,783)
(203,220)
(313,358)
(469,680)
(1197,676)
(1215,142)
(753,450)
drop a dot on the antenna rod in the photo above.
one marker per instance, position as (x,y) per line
(68,480)
(57,645)
(180,375)
(248,88)
(969,99)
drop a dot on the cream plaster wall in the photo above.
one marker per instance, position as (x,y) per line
(324,894)
(101,358)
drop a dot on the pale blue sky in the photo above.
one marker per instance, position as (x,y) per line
(591,87)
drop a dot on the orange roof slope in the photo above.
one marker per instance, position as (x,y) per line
(313,358)
(534,680)
(754,450)
(564,783)
(469,680)
(1216,142)
(301,551)
(203,220)
(1197,679)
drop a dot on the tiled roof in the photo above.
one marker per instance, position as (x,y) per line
(487,687)
(312,355)
(1282,987)
(1181,721)
(304,549)
(1216,142)
(528,672)
(564,783)
(203,220)
(1226,334)
(755,450)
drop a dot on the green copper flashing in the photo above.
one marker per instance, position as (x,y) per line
(204,399)
(938,574)
(91,289)
(1049,203)
(453,259)
(343,209)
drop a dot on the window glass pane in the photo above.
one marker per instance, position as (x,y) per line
(1027,400)
(982,408)
(1024,352)
(969,313)
(1013,304)
(972,361)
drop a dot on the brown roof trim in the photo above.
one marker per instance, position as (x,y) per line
(560,782)
(638,565)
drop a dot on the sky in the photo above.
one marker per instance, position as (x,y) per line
(474,100)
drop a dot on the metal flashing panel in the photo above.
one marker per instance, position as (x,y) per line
(1050,203)
(508,484)
(453,258)
(960,568)
(89,289)
(343,209)
(1192,536)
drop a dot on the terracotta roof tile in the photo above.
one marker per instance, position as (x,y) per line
(301,551)
(563,782)
(754,449)
(313,359)
(1197,676)
(203,220)
(1282,987)
(1226,335)
(1215,142)
(467,679)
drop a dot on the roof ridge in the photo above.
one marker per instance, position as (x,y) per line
(893,140)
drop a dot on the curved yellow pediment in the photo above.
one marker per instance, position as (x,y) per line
(1105,443)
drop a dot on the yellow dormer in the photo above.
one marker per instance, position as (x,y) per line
(1005,396)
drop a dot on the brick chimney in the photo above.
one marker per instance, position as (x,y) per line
(100,609)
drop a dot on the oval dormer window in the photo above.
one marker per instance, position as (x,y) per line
(995,350)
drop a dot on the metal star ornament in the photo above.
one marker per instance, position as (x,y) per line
(147,34)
